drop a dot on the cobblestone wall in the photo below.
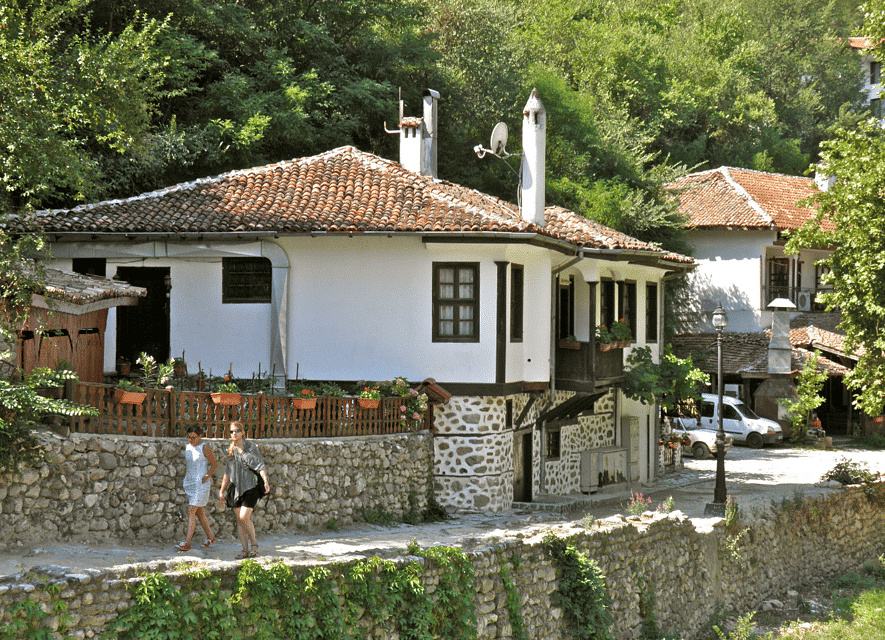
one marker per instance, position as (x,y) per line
(474,462)
(119,487)
(691,572)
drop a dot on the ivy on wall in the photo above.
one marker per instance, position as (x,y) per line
(273,602)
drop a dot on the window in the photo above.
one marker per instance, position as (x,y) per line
(875,72)
(651,312)
(89,266)
(566,309)
(517,292)
(245,280)
(778,279)
(706,409)
(627,305)
(607,303)
(553,444)
(456,302)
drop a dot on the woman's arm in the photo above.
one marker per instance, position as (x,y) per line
(263,473)
(213,465)
(224,483)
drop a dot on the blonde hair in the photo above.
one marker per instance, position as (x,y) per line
(230,449)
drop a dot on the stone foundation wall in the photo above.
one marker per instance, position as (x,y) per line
(118,487)
(474,464)
(690,571)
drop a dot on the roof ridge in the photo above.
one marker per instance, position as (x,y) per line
(755,206)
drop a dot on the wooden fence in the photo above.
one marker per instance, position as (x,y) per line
(170,413)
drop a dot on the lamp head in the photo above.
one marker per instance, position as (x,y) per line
(720,318)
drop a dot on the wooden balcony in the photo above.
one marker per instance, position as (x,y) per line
(584,368)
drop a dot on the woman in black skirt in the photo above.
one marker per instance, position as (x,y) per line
(246,471)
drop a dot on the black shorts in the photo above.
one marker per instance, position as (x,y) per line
(250,498)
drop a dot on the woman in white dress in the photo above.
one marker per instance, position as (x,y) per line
(200,466)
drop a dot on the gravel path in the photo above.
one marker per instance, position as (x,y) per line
(753,477)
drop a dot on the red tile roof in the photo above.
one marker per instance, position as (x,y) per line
(745,354)
(729,197)
(343,191)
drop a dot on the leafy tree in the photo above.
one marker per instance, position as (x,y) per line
(849,221)
(66,94)
(674,382)
(810,383)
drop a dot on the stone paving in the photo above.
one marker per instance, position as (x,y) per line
(754,477)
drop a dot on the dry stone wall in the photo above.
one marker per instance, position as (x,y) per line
(474,464)
(691,572)
(120,487)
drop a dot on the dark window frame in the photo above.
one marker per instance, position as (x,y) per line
(456,302)
(517,302)
(565,310)
(553,445)
(875,72)
(607,302)
(246,280)
(651,312)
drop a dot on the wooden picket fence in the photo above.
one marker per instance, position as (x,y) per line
(170,413)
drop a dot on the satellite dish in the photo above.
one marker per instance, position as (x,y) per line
(499,140)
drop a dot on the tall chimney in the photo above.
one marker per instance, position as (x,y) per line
(418,136)
(779,349)
(534,147)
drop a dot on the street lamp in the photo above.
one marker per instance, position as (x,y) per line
(717,507)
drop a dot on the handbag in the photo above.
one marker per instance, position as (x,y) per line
(230,496)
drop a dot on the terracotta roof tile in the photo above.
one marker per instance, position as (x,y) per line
(83,289)
(743,353)
(729,197)
(341,191)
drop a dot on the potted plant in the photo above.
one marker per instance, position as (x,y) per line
(370,398)
(569,342)
(123,366)
(179,366)
(226,393)
(617,336)
(129,392)
(305,399)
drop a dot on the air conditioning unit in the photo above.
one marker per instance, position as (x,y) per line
(803,301)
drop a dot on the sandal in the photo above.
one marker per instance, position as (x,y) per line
(243,555)
(209,542)
(254,551)
(183,546)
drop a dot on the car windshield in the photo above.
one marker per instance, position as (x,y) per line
(746,411)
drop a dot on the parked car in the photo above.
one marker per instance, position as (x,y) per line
(703,441)
(738,421)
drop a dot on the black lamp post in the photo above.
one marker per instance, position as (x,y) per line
(717,507)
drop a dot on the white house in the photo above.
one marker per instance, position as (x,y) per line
(737,221)
(346,266)
(872,73)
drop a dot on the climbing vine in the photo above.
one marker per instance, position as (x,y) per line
(272,602)
(582,593)
(514,611)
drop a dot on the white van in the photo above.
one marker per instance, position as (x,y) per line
(738,420)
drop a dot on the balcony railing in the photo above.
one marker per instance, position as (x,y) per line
(169,413)
(580,368)
(804,299)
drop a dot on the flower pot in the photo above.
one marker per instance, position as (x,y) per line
(201,384)
(179,370)
(608,346)
(225,398)
(368,403)
(569,344)
(129,397)
(304,403)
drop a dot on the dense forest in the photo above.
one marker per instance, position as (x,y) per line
(111,98)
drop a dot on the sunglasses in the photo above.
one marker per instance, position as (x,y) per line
(233,431)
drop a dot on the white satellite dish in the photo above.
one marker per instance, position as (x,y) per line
(498,144)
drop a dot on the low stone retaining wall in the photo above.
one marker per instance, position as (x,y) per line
(690,572)
(120,487)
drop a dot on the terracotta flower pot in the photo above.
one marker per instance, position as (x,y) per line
(304,403)
(368,403)
(569,344)
(228,399)
(129,397)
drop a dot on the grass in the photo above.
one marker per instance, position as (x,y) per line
(864,621)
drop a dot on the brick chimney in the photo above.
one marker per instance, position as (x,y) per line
(534,148)
(418,136)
